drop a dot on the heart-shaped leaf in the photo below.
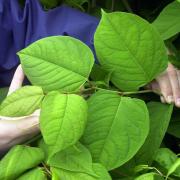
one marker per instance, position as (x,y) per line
(117,127)
(130,48)
(62,120)
(57,63)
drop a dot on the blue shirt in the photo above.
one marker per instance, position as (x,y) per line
(19,27)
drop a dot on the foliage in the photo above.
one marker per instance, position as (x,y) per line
(96,120)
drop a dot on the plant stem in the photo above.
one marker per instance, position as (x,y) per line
(127,93)
(47,170)
(128,7)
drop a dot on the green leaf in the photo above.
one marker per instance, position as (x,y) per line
(149,176)
(57,63)
(174,126)
(160,115)
(49,3)
(130,48)
(43,146)
(76,3)
(62,120)
(97,73)
(34,174)
(3,93)
(76,158)
(175,167)
(168,160)
(22,102)
(18,160)
(102,173)
(168,21)
(116,129)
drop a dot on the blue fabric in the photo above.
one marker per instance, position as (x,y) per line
(20,27)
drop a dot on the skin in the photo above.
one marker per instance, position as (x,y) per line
(17,130)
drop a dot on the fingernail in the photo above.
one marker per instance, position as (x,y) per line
(178,102)
(170,99)
(162,99)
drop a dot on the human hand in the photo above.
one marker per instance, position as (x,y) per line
(17,129)
(168,84)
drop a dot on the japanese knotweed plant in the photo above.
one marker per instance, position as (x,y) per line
(93,125)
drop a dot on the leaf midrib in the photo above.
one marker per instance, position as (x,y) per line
(59,66)
(21,99)
(133,56)
(110,129)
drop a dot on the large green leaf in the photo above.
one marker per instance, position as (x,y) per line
(130,48)
(18,160)
(160,115)
(76,159)
(102,173)
(62,120)
(22,102)
(57,63)
(116,129)
(34,174)
(168,21)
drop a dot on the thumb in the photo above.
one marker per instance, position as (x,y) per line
(17,80)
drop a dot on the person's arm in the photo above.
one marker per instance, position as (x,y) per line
(17,129)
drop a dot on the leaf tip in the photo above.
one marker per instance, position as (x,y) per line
(103,12)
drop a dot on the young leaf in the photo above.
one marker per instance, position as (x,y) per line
(69,175)
(22,102)
(130,48)
(76,159)
(34,174)
(168,21)
(149,176)
(18,160)
(57,63)
(116,128)
(62,120)
(168,160)
(175,168)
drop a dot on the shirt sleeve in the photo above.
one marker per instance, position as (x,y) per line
(20,27)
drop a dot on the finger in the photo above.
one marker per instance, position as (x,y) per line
(156,88)
(173,77)
(17,80)
(178,99)
(162,99)
(165,88)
